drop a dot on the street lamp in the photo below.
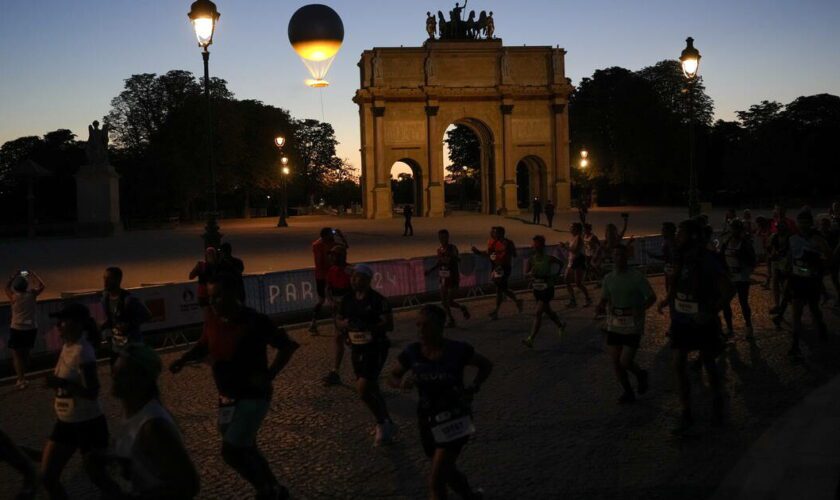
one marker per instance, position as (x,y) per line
(279,141)
(203,15)
(690,61)
(284,179)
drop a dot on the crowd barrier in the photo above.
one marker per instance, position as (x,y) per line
(176,306)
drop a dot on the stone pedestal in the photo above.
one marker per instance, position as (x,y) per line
(97,201)
(382,202)
(510,206)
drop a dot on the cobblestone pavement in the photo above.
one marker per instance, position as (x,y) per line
(166,256)
(548,423)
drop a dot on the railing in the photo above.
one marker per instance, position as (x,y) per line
(284,293)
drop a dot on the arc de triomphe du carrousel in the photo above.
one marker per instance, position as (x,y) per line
(513,98)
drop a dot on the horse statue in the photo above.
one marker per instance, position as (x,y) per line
(443,26)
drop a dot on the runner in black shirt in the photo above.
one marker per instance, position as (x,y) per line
(445,417)
(235,338)
(365,318)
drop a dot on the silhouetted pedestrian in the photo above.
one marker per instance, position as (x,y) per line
(549,213)
(233,266)
(408,212)
(536,206)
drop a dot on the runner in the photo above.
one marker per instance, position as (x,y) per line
(739,255)
(808,256)
(593,252)
(23,289)
(749,227)
(701,288)
(235,340)
(779,249)
(831,235)
(501,252)
(576,265)
(148,456)
(448,268)
(338,286)
(80,424)
(780,218)
(124,313)
(762,247)
(542,283)
(667,253)
(202,270)
(625,296)
(365,318)
(444,410)
(321,249)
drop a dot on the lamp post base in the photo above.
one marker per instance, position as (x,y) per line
(212,237)
(282,222)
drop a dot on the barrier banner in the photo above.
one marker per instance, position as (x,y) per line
(171,305)
(288,291)
(396,278)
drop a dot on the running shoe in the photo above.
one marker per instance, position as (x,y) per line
(21,384)
(331,378)
(529,342)
(465,312)
(642,379)
(519,305)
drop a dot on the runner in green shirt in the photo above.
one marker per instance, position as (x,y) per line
(543,279)
(626,295)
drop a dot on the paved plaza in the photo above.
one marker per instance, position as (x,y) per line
(165,256)
(547,419)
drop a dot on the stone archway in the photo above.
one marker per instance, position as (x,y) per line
(513,98)
(531,181)
(416,197)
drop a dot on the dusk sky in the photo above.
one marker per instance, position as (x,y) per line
(61,62)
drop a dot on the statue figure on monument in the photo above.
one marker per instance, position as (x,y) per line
(96,148)
(377,69)
(505,64)
(430,70)
(456,25)
(443,26)
(490,26)
(431,25)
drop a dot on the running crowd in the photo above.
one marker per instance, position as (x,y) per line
(145,456)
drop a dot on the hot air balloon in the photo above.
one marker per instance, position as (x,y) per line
(316,33)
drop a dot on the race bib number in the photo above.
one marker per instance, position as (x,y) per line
(450,428)
(801,269)
(227,408)
(498,273)
(622,321)
(539,285)
(64,407)
(118,340)
(444,273)
(360,337)
(686,306)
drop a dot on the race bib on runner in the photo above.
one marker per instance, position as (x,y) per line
(539,285)
(64,407)
(449,427)
(443,273)
(686,306)
(118,340)
(498,273)
(622,321)
(227,408)
(360,337)
(801,269)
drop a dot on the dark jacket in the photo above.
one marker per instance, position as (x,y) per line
(129,311)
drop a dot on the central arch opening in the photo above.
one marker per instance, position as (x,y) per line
(531,182)
(406,186)
(469,169)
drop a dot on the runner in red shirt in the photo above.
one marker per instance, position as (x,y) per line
(501,252)
(448,268)
(320,250)
(338,285)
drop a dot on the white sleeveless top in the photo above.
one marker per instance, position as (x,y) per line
(145,473)
(69,408)
(24,310)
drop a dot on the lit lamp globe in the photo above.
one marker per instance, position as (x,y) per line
(584,163)
(285,170)
(279,141)
(690,59)
(316,33)
(584,153)
(284,161)
(203,15)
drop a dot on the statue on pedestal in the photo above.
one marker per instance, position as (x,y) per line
(96,148)
(431,25)
(458,28)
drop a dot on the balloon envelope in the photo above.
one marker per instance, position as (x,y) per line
(316,32)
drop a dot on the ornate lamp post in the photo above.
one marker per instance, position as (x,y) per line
(690,60)
(284,170)
(203,15)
